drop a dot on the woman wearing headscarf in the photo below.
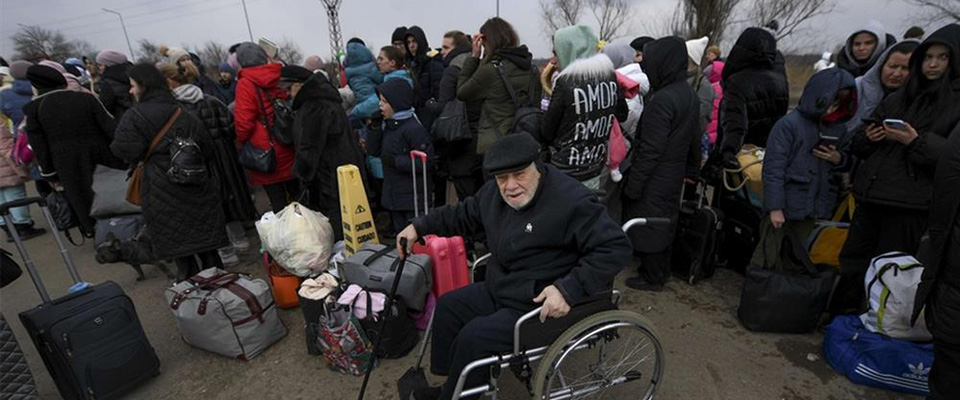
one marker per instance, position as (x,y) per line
(70,133)
(894,182)
(667,151)
(184,221)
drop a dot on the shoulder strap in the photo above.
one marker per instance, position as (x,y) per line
(506,82)
(263,116)
(162,133)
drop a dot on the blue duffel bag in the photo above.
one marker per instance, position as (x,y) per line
(872,359)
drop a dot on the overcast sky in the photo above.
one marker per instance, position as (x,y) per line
(191,22)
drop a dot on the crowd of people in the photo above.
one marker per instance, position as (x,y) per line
(633,121)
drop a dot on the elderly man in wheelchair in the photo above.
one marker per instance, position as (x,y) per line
(552,245)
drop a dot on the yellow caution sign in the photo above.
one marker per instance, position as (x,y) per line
(358,227)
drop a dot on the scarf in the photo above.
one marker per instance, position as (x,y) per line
(188,93)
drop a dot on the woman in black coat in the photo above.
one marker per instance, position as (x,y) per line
(183,220)
(667,149)
(70,133)
(218,120)
(323,140)
(894,181)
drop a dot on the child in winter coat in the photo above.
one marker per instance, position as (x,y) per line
(12,180)
(363,78)
(801,160)
(400,134)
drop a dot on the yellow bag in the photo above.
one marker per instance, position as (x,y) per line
(827,239)
(750,173)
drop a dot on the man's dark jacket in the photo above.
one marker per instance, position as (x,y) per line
(563,237)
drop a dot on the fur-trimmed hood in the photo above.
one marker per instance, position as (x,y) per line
(594,66)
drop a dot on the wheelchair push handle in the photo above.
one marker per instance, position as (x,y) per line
(645,222)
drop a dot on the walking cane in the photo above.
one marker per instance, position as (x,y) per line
(402,261)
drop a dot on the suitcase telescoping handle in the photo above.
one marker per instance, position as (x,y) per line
(387,308)
(414,155)
(8,220)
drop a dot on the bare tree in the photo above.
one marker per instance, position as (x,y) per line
(289,51)
(558,14)
(698,18)
(611,16)
(35,43)
(791,14)
(211,54)
(147,52)
(939,10)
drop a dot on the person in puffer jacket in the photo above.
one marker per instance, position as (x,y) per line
(19,94)
(800,166)
(363,78)
(714,71)
(585,103)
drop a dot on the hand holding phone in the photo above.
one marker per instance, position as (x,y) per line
(897,124)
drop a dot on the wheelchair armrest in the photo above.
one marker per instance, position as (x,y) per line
(554,326)
(478,261)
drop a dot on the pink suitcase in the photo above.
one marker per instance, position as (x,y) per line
(449,255)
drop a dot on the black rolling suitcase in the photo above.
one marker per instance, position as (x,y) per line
(694,251)
(741,231)
(90,340)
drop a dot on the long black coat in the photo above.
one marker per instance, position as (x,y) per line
(667,147)
(324,142)
(70,133)
(181,219)
(234,192)
(563,237)
(941,257)
(755,93)
(461,156)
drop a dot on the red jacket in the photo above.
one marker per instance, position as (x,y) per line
(248,120)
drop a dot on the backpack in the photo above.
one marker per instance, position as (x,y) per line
(282,126)
(187,166)
(527,118)
(891,282)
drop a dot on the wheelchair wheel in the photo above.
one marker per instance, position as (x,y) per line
(614,355)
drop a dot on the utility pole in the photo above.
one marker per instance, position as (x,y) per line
(333,18)
(247,17)
(498,8)
(133,56)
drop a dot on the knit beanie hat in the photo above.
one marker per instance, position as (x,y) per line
(915,32)
(695,49)
(109,58)
(638,43)
(173,54)
(398,93)
(715,50)
(18,69)
(43,77)
(250,54)
(225,67)
(399,35)
(54,65)
(313,63)
(573,43)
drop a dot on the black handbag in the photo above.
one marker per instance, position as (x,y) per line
(60,210)
(256,159)
(452,125)
(399,333)
(789,298)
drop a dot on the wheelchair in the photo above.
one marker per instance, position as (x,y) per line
(595,351)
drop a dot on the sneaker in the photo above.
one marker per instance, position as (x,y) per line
(241,244)
(26,232)
(641,284)
(428,393)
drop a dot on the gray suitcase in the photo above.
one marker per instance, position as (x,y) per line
(16,381)
(374,266)
(226,313)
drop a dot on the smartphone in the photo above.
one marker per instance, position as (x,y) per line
(483,49)
(897,124)
(827,141)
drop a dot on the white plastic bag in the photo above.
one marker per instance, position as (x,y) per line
(299,239)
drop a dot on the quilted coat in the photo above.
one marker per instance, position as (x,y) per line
(363,78)
(181,219)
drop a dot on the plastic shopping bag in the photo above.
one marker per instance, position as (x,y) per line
(299,239)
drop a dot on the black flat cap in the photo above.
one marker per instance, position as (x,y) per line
(295,74)
(511,153)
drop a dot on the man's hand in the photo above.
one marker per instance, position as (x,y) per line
(409,233)
(777,219)
(554,305)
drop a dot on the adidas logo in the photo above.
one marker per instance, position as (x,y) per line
(918,372)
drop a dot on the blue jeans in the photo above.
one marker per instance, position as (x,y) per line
(21,215)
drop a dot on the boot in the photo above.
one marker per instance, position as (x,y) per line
(26,232)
